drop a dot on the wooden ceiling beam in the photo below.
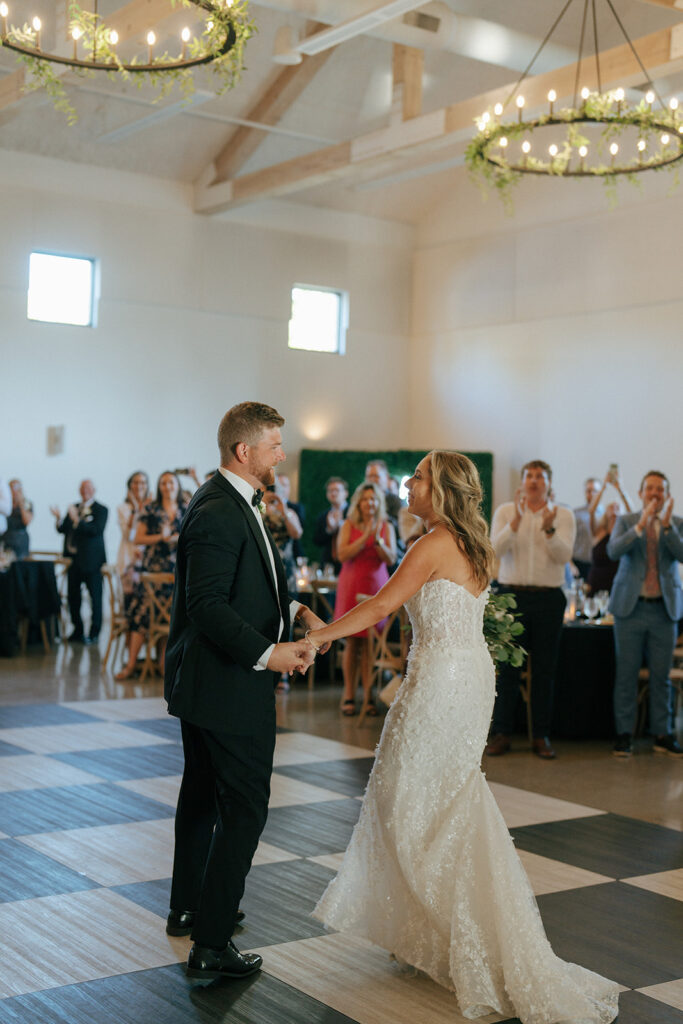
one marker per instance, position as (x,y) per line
(408,68)
(661,52)
(280,94)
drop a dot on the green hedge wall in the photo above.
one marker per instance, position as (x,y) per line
(317,465)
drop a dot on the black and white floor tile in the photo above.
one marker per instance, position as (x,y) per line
(87,794)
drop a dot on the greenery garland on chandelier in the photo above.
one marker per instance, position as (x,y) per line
(659,144)
(583,137)
(220,45)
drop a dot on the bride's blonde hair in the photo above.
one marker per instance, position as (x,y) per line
(456,500)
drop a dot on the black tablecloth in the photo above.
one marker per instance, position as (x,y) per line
(584,683)
(26,589)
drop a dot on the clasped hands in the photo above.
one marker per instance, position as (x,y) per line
(298,655)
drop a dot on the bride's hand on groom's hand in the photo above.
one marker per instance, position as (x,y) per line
(312,622)
(291,657)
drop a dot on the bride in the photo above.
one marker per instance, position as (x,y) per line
(431,873)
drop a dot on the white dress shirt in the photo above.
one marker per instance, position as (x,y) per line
(529,557)
(244,488)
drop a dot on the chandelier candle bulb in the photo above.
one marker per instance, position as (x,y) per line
(498,109)
(665,139)
(520,107)
(151,40)
(37,25)
(526,148)
(185,36)
(649,98)
(552,96)
(673,103)
(502,142)
(583,153)
(614,149)
(4,11)
(619,97)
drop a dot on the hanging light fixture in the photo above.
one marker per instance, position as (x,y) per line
(577,141)
(217,40)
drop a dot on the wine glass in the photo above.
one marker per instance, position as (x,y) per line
(602,598)
(590,608)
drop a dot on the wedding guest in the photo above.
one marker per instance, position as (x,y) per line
(646,603)
(285,528)
(533,538)
(83,529)
(129,556)
(5,504)
(377,472)
(328,523)
(583,545)
(603,569)
(283,487)
(366,547)
(16,536)
(157,533)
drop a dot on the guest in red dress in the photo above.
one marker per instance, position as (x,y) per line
(366,547)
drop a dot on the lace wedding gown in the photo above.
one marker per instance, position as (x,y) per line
(431,873)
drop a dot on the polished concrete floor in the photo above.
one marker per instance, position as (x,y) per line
(89,773)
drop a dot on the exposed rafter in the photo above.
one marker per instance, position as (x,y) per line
(284,89)
(661,52)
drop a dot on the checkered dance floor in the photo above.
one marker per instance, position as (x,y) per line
(87,794)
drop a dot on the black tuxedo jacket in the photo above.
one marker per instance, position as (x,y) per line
(87,538)
(226,613)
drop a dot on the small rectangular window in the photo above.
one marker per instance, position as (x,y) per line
(61,289)
(319,319)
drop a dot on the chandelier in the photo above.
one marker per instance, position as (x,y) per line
(221,29)
(579,141)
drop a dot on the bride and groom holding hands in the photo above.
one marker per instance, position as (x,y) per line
(431,873)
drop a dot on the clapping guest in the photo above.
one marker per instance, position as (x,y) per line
(83,529)
(603,570)
(285,527)
(328,523)
(583,516)
(157,533)
(129,557)
(283,487)
(594,507)
(16,536)
(366,547)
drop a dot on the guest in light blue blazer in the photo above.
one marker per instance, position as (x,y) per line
(646,602)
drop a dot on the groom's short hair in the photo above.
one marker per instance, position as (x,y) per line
(245,423)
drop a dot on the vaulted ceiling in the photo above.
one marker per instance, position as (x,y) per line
(372,124)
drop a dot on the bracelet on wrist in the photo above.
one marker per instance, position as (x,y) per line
(307,638)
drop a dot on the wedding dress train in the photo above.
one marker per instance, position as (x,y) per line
(431,873)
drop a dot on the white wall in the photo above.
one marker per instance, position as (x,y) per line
(193,318)
(554,334)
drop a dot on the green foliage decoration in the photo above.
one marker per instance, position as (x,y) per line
(501,628)
(490,167)
(226,29)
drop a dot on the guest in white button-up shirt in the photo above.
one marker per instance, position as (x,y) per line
(533,539)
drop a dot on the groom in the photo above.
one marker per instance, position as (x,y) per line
(231,614)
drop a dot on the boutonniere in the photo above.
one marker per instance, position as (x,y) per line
(262,507)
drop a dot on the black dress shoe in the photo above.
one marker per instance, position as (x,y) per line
(207,963)
(91,640)
(181,922)
(75,638)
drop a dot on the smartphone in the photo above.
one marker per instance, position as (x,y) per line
(614,468)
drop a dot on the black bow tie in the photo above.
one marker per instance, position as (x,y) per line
(257,497)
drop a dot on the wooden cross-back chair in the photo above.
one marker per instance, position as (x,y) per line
(159,607)
(118,621)
(384,652)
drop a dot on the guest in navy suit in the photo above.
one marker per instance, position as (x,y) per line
(646,603)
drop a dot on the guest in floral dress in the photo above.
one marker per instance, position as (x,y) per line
(157,533)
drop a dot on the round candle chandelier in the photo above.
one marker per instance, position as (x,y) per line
(220,30)
(600,135)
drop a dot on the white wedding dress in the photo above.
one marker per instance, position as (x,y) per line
(431,873)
